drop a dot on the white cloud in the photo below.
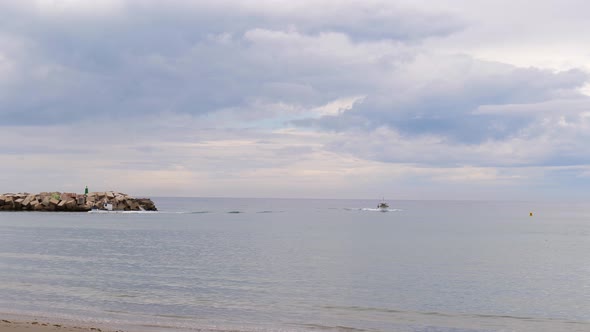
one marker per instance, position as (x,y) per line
(338,106)
(543,33)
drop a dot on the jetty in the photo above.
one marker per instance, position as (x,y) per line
(72,202)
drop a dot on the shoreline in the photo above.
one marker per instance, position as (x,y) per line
(44,322)
(8,324)
(31,322)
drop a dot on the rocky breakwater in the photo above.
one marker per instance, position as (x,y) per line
(72,202)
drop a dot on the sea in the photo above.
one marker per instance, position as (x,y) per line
(223,264)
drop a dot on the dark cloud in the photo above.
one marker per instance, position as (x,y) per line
(447,106)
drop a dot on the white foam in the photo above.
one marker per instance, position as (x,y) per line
(121,212)
(380,210)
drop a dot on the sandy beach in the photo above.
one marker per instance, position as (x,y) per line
(8,325)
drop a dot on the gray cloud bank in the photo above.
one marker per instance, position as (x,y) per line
(189,57)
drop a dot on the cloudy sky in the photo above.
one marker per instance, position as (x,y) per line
(408,99)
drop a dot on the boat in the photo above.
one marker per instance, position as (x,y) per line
(383,206)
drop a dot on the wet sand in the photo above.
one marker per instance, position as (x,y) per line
(9,325)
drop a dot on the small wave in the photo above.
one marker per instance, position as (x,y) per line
(174,316)
(124,295)
(235,212)
(331,328)
(269,211)
(457,315)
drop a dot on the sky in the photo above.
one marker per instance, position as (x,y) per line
(420,99)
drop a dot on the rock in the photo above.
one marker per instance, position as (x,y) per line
(8,203)
(45,200)
(147,204)
(38,207)
(70,204)
(133,205)
(56,201)
(27,202)
(18,203)
(66,196)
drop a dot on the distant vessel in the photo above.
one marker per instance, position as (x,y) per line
(383,206)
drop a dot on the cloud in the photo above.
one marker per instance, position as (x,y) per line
(445,95)
(126,58)
(362,20)
(317,96)
(76,7)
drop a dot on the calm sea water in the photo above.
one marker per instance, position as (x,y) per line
(304,265)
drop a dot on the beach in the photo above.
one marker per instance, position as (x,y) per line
(9,325)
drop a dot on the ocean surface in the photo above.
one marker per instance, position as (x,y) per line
(303,265)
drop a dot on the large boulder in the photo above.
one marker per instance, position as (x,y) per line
(26,204)
(9,202)
(18,203)
(133,205)
(70,204)
(62,205)
(146,204)
(38,207)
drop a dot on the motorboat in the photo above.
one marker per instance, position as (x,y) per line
(383,206)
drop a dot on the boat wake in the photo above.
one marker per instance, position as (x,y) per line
(179,212)
(380,210)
